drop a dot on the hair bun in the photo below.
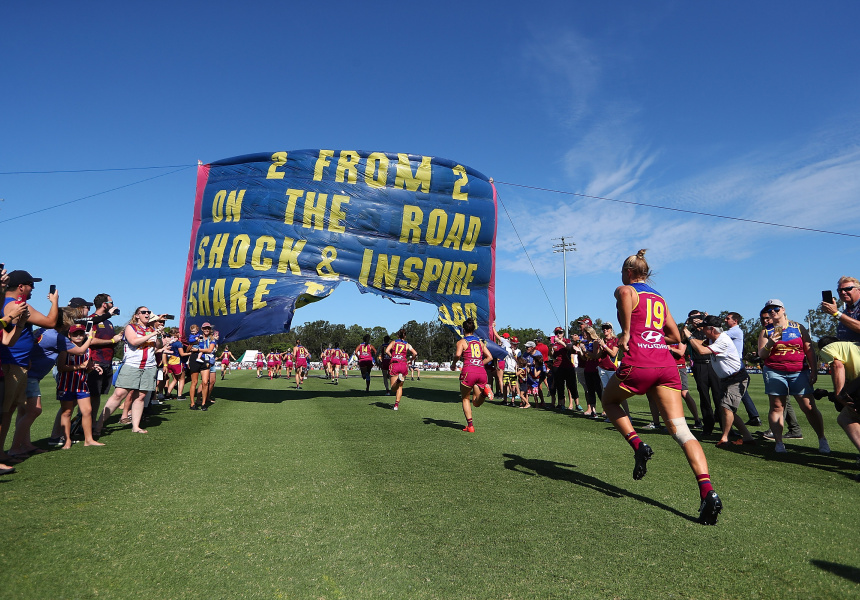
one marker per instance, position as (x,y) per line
(641,253)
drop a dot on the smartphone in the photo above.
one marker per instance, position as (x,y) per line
(117,312)
(169,317)
(52,289)
(827,296)
(2,266)
(89,327)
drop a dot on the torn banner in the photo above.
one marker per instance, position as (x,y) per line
(275,231)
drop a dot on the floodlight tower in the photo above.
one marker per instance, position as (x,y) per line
(564,248)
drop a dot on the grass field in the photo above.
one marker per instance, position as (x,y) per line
(326,493)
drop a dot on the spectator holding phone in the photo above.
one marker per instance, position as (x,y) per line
(72,386)
(848,319)
(16,358)
(137,374)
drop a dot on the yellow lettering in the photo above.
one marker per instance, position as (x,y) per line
(234,205)
(432,272)
(314,210)
(238,298)
(455,284)
(472,234)
(386,270)
(347,163)
(336,215)
(409,264)
(203,298)
(262,290)
(290,256)
(467,279)
(444,279)
(459,194)
(239,251)
(445,316)
(216,253)
(257,262)
(292,196)
(376,170)
(366,261)
(192,300)
(219,302)
(324,268)
(322,162)
(436,224)
(201,252)
(471,311)
(410,228)
(279,159)
(406,180)
(457,313)
(455,234)
(218,206)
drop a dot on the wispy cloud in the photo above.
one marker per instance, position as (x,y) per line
(811,180)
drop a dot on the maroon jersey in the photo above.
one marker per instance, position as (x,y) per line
(74,381)
(606,362)
(647,345)
(473,356)
(398,352)
(561,353)
(103,331)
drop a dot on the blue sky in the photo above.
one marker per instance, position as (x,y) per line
(742,109)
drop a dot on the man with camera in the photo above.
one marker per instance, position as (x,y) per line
(844,360)
(729,368)
(707,382)
(736,334)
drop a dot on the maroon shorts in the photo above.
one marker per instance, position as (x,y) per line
(398,368)
(175,369)
(301,362)
(472,378)
(639,380)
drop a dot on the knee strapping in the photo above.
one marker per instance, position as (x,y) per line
(682,433)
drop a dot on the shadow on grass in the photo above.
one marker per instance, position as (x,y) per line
(287,394)
(844,571)
(565,472)
(443,423)
(385,405)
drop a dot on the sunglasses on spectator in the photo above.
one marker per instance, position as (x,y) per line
(846,289)
(773,310)
(144,312)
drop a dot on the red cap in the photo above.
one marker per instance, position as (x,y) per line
(506,335)
(586,322)
(75,328)
(206,324)
(514,340)
(559,329)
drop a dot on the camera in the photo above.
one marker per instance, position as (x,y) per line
(821,393)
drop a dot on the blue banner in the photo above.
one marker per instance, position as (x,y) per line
(273,232)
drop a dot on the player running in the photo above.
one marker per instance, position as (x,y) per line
(366,354)
(649,368)
(473,375)
(399,350)
(300,356)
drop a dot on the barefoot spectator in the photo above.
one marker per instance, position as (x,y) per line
(72,387)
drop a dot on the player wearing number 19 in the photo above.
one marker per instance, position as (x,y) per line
(473,375)
(648,368)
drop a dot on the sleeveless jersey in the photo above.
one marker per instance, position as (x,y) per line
(398,353)
(561,353)
(787,355)
(74,381)
(364,353)
(607,363)
(681,361)
(19,354)
(139,357)
(300,353)
(473,356)
(647,346)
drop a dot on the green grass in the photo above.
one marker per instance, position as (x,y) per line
(326,493)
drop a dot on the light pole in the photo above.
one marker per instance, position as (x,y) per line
(564,248)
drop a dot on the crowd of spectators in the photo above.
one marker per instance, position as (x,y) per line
(547,373)
(77,343)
